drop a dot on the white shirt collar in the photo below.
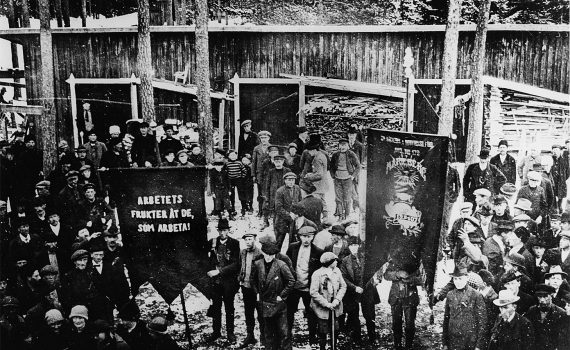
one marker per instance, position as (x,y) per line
(25,239)
(55,229)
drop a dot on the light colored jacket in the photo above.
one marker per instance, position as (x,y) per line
(318,174)
(326,285)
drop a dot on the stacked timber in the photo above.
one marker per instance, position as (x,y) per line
(331,115)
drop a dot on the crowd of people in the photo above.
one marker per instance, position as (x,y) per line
(63,274)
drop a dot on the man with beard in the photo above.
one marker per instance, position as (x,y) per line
(482,175)
(131,328)
(465,316)
(511,330)
(505,162)
(547,320)
(247,139)
(145,148)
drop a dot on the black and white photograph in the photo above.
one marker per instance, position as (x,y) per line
(279,175)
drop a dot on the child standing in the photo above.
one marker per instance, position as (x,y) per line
(235,174)
(245,188)
(220,185)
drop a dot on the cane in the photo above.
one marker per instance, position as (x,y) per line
(333,335)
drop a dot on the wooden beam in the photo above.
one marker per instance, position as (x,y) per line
(29,110)
(527,89)
(438,81)
(71,82)
(301,103)
(275,81)
(352,86)
(106,81)
(237,122)
(186,89)
(13,84)
(11,73)
(134,98)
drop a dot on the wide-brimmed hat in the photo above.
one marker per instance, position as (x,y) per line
(555,270)
(523,204)
(482,192)
(508,189)
(269,245)
(506,297)
(523,233)
(338,230)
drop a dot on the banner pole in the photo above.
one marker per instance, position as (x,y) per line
(186,323)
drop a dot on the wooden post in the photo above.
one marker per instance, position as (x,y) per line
(410,90)
(58,13)
(47,123)
(134,98)
(84,13)
(71,82)
(495,116)
(301,102)
(25,14)
(237,118)
(221,122)
(65,11)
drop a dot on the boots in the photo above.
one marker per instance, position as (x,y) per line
(249,340)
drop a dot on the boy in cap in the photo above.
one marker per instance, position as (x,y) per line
(183,159)
(293,159)
(505,162)
(345,170)
(224,257)
(536,195)
(169,158)
(511,330)
(247,139)
(258,156)
(482,175)
(236,171)
(465,316)
(285,197)
(547,319)
(272,281)
(220,185)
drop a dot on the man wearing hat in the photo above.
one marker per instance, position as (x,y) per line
(561,255)
(293,159)
(88,175)
(338,245)
(495,247)
(285,197)
(158,335)
(500,209)
(298,220)
(273,281)
(248,256)
(260,153)
(509,190)
(305,257)
(106,338)
(526,164)
(115,157)
(302,139)
(68,200)
(538,247)
(312,206)
(560,172)
(485,214)
(220,185)
(144,151)
(78,286)
(25,245)
(511,280)
(95,213)
(517,241)
(482,196)
(130,327)
(465,315)
(274,179)
(28,169)
(247,139)
(505,162)
(557,278)
(536,195)
(345,171)
(169,158)
(183,159)
(547,319)
(511,330)
(224,258)
(94,148)
(317,170)
(169,142)
(482,175)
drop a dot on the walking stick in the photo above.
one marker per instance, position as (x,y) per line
(333,335)
(186,323)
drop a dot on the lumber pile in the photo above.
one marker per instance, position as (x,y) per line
(332,114)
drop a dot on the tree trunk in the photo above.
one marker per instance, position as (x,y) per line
(47,122)
(475,129)
(168,13)
(449,69)
(12,23)
(84,13)
(144,64)
(65,10)
(25,14)
(57,10)
(203,79)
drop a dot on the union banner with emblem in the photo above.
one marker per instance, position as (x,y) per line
(406,178)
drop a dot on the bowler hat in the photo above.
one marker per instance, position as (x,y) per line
(555,270)
(129,311)
(508,189)
(79,254)
(506,297)
(112,231)
(535,241)
(484,154)
(338,230)
(143,125)
(327,258)
(307,186)
(97,246)
(158,325)
(523,204)
(269,245)
(544,290)
(223,224)
(503,143)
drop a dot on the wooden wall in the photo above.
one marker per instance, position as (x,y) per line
(538,58)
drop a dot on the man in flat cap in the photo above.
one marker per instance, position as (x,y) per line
(560,172)
(274,179)
(511,330)
(345,171)
(82,158)
(536,195)
(247,139)
(285,197)
(68,200)
(248,256)
(95,212)
(547,319)
(482,175)
(505,162)
(260,153)
(144,151)
(77,284)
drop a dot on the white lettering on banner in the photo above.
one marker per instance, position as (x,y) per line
(405,216)
(406,164)
(160,199)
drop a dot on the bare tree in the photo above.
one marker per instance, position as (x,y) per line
(47,123)
(84,13)
(25,14)
(203,79)
(475,129)
(58,13)
(144,63)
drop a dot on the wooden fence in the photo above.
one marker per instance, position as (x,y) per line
(535,55)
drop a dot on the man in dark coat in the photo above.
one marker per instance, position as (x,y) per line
(345,170)
(26,246)
(560,173)
(28,169)
(274,179)
(305,257)
(301,140)
(465,316)
(512,281)
(115,157)
(482,175)
(68,200)
(144,151)
(224,258)
(298,221)
(536,195)
(78,285)
(505,162)
(247,140)
(59,239)
(285,197)
(495,248)
(131,328)
(312,206)
(547,319)
(511,330)
(273,280)
(169,142)
(95,213)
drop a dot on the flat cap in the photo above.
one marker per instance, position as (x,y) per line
(43,183)
(482,192)
(328,257)
(79,254)
(264,133)
(290,175)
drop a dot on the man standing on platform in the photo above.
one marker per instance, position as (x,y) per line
(505,162)
(482,175)
(144,151)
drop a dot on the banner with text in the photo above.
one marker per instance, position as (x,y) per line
(404,200)
(164,227)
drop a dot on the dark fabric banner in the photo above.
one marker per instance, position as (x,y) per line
(164,227)
(405,194)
